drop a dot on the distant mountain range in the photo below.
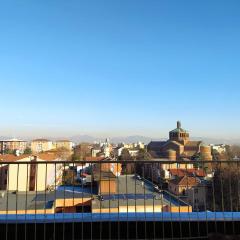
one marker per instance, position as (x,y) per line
(144,139)
(132,139)
(127,139)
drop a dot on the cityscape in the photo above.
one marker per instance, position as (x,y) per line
(119,120)
(176,175)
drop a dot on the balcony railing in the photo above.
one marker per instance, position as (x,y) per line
(154,199)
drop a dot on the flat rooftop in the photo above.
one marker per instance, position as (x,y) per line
(132,191)
(12,201)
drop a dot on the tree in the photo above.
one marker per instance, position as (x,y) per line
(127,168)
(63,153)
(69,177)
(82,151)
(142,168)
(27,151)
(143,155)
(125,155)
(224,192)
(235,150)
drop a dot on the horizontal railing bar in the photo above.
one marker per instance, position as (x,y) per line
(126,161)
(141,217)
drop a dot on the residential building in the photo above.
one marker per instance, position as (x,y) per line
(180,185)
(197,195)
(64,144)
(191,172)
(30,176)
(102,149)
(41,145)
(13,145)
(95,151)
(219,148)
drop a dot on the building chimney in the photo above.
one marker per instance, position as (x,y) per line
(178,124)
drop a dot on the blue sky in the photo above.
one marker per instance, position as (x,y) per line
(121,67)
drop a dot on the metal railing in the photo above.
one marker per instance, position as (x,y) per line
(154,199)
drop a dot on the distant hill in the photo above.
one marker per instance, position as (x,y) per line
(127,139)
(133,139)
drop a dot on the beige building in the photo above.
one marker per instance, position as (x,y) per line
(41,145)
(64,144)
(197,196)
(19,176)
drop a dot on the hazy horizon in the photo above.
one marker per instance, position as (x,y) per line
(119,68)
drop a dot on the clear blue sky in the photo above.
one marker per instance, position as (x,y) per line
(119,67)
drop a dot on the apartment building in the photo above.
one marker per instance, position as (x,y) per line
(12,145)
(41,145)
(64,144)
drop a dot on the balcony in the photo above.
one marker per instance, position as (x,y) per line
(155,199)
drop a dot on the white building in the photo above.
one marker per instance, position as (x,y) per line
(220,148)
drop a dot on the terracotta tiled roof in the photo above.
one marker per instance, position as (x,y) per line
(47,156)
(185,181)
(12,157)
(41,156)
(189,172)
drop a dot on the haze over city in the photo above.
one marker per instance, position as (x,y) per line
(119,68)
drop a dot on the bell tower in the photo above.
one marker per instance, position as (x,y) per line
(179,134)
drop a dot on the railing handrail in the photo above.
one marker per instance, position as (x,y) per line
(121,161)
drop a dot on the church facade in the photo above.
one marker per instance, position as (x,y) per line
(179,146)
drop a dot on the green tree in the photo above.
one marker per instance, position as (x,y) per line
(8,151)
(28,151)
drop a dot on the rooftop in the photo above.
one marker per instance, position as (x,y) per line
(134,192)
(12,140)
(185,181)
(10,201)
(41,140)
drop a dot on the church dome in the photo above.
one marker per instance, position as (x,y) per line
(179,129)
(179,134)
